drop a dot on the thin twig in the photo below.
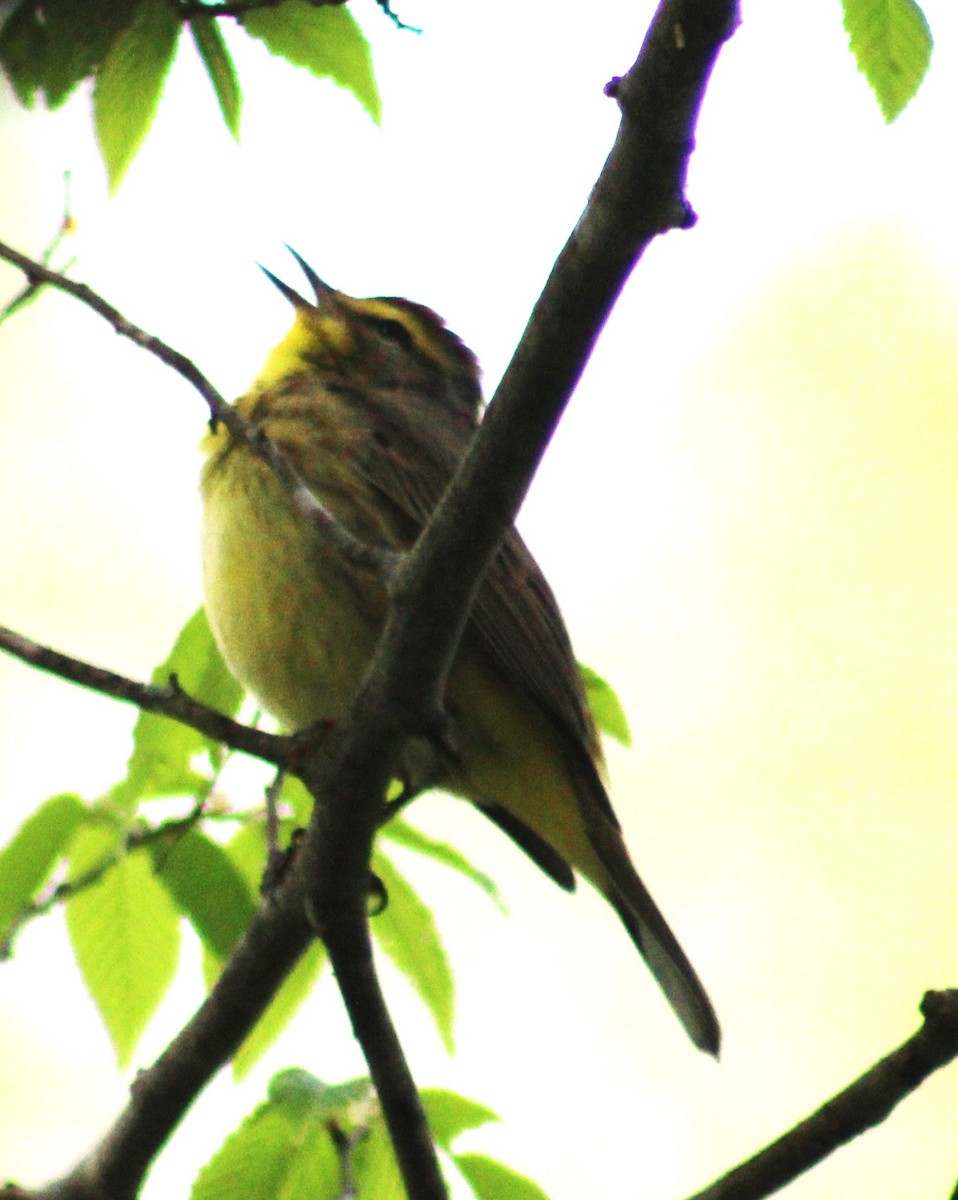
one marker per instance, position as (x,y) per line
(32,288)
(136,839)
(169,700)
(376,559)
(37,273)
(277,860)
(188,9)
(396,19)
(346,1142)
(862,1105)
(57,895)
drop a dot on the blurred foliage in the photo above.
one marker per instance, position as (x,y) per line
(326,1141)
(130,877)
(126,47)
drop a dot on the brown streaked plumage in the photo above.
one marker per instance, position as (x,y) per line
(375,402)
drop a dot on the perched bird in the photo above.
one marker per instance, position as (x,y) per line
(374,401)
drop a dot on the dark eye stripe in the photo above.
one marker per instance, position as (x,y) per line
(393,331)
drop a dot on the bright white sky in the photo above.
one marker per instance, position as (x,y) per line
(749,518)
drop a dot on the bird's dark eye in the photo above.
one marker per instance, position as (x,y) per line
(393,331)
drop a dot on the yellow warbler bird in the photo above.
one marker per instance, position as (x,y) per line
(374,402)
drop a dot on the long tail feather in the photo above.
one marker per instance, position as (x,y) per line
(666,959)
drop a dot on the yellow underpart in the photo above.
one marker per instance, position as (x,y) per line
(511,756)
(310,333)
(298,626)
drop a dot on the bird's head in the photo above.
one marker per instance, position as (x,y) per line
(381,342)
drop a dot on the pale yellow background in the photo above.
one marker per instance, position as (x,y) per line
(749,516)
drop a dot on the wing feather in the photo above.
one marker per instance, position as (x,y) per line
(515,620)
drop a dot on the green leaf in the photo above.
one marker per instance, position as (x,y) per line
(206,887)
(246,850)
(298,1092)
(271,1154)
(198,665)
(325,40)
(129,84)
(492,1180)
(375,1170)
(892,43)
(50,47)
(125,934)
(252,1163)
(605,706)
(314,1168)
(284,1149)
(219,66)
(27,860)
(247,854)
(297,797)
(450,1114)
(162,762)
(406,931)
(404,834)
